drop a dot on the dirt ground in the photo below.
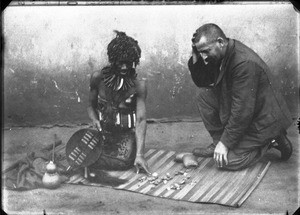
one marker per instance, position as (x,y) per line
(276,194)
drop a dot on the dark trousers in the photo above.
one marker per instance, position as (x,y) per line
(248,151)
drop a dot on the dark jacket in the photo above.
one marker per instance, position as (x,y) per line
(249,102)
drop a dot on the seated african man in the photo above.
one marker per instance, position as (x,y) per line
(117,109)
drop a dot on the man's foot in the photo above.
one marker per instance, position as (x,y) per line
(205,152)
(284,145)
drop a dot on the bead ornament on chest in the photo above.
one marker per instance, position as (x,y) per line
(120,76)
(116,107)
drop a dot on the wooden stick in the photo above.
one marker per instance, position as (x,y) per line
(53,148)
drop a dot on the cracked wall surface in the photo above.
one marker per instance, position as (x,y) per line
(50,53)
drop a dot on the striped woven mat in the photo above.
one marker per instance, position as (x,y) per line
(204,184)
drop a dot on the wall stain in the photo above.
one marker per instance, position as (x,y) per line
(49,60)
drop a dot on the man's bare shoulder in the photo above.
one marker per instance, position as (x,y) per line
(96,74)
(141,82)
(141,85)
(96,78)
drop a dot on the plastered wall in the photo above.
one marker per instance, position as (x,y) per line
(51,51)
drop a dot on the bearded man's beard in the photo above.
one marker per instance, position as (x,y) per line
(118,79)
